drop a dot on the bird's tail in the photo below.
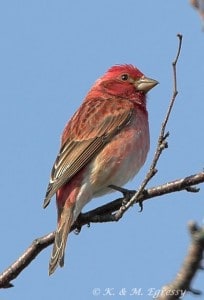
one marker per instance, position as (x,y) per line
(64,225)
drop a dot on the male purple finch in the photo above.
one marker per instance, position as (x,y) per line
(105,143)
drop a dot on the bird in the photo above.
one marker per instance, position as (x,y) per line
(104,144)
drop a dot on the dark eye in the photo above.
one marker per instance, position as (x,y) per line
(124,77)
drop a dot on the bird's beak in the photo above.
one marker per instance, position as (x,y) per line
(145,84)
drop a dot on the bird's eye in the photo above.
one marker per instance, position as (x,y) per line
(124,77)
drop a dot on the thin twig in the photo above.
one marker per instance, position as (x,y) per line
(175,91)
(192,263)
(161,145)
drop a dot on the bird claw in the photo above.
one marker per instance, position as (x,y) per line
(140,205)
(126,193)
(78,227)
(77,230)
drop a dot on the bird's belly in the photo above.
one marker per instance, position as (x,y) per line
(120,160)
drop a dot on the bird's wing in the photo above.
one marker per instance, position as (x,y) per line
(76,152)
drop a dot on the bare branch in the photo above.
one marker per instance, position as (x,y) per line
(161,145)
(25,259)
(104,213)
(175,91)
(192,263)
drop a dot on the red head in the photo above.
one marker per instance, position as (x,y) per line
(122,81)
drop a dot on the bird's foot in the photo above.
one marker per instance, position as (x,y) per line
(77,225)
(128,194)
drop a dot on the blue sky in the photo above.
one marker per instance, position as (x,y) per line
(51,52)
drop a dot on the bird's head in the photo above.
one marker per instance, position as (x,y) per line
(124,81)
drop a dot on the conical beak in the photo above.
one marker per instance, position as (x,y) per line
(145,84)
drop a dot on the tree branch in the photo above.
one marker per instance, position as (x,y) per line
(192,263)
(104,213)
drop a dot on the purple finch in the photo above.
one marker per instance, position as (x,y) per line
(105,143)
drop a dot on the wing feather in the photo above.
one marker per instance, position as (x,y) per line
(75,154)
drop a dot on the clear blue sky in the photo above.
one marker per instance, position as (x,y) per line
(51,52)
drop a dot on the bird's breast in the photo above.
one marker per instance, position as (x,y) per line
(121,159)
